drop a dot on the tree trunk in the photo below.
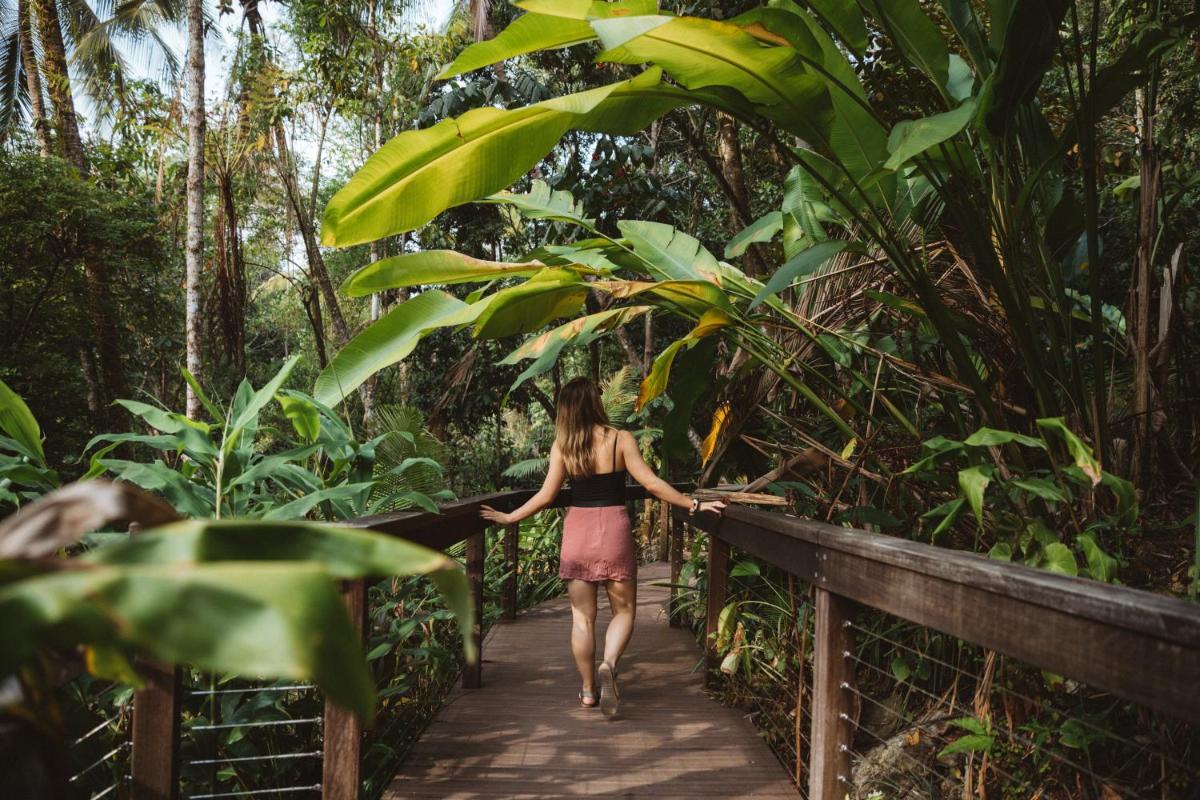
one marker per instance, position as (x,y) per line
(741,215)
(195,195)
(99,304)
(33,78)
(91,382)
(304,218)
(312,310)
(1141,290)
(58,82)
(230,274)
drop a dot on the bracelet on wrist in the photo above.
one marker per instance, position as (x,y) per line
(695,506)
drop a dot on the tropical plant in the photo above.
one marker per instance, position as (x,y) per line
(975,188)
(24,473)
(227,467)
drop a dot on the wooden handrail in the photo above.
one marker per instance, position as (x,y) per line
(1137,645)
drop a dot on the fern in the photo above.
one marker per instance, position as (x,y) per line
(619,393)
(407,461)
(529,468)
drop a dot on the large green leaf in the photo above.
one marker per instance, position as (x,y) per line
(421,173)
(670,254)
(910,138)
(389,340)
(341,552)
(542,202)
(805,34)
(526,34)
(703,53)
(549,26)
(916,35)
(1028,53)
(249,412)
(524,308)
(1080,450)
(691,299)
(803,263)
(545,348)
(18,422)
(264,620)
(860,143)
(846,20)
(432,267)
(974,481)
(762,229)
(187,497)
(655,382)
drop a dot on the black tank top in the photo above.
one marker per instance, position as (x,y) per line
(603,489)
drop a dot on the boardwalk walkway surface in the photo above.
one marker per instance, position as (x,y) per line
(523,734)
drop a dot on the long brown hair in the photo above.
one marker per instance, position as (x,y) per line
(579,412)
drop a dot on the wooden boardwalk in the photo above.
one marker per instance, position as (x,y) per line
(523,735)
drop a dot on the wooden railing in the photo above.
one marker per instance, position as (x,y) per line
(1134,644)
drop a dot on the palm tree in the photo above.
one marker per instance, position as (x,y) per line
(195,195)
(74,33)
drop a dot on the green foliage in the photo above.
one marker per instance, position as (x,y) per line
(1028,514)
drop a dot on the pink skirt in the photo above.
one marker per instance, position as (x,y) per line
(597,545)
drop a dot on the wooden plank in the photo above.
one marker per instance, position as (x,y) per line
(675,534)
(524,735)
(343,734)
(1136,610)
(832,728)
(155,734)
(472,677)
(512,559)
(718,574)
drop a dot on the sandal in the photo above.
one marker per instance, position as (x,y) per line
(585,695)
(609,696)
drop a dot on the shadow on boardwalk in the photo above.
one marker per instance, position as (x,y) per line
(524,735)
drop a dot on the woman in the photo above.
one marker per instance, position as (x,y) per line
(597,543)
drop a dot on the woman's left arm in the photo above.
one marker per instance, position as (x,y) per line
(544,497)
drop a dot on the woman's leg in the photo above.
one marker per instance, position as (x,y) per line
(583,630)
(622,599)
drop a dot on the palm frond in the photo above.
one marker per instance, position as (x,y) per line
(406,460)
(619,393)
(14,92)
(529,468)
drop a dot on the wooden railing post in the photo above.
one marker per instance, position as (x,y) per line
(155,735)
(473,673)
(832,732)
(154,738)
(342,761)
(675,533)
(512,557)
(718,574)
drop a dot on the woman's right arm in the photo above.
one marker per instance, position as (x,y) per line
(555,476)
(655,485)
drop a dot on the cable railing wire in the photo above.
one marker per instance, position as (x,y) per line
(256,792)
(208,692)
(221,726)
(912,723)
(1139,747)
(240,759)
(1009,731)
(98,762)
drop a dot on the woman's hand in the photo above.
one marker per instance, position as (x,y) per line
(714,506)
(492,515)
